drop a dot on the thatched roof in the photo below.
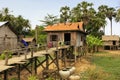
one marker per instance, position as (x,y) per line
(28,39)
(110,38)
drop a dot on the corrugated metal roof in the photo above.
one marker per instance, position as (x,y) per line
(2,23)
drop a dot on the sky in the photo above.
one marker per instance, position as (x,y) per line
(36,10)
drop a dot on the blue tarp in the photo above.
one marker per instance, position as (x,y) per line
(24,42)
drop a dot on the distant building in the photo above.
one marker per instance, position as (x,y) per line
(69,33)
(30,41)
(110,42)
(8,38)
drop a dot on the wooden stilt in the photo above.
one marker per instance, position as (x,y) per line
(57,59)
(47,61)
(18,71)
(35,65)
(6,58)
(5,75)
(65,50)
(75,53)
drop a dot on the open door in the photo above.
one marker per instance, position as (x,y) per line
(67,38)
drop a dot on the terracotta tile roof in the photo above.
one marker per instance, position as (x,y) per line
(66,27)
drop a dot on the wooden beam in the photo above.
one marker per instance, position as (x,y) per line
(35,65)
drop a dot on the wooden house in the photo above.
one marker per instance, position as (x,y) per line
(69,33)
(110,41)
(8,38)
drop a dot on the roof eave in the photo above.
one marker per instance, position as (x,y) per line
(64,30)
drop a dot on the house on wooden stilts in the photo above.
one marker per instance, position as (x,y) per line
(72,34)
(69,33)
(110,42)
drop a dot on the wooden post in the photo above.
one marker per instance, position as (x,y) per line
(57,59)
(31,52)
(47,61)
(5,75)
(25,54)
(64,53)
(31,61)
(35,65)
(6,57)
(18,53)
(75,53)
(18,72)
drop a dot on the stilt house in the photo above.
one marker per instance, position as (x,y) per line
(110,42)
(67,33)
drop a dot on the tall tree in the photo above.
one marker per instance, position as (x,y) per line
(85,6)
(65,14)
(76,14)
(110,15)
(19,24)
(102,10)
(118,16)
(50,20)
(92,20)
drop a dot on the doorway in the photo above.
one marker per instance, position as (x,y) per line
(114,42)
(67,38)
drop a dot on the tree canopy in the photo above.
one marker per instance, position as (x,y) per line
(94,20)
(18,24)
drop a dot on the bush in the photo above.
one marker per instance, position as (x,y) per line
(32,77)
(2,56)
(14,78)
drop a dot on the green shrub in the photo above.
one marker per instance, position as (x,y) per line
(32,77)
(14,78)
(2,56)
(50,78)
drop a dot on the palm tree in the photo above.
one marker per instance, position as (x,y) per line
(76,14)
(110,15)
(102,14)
(118,16)
(65,14)
(85,11)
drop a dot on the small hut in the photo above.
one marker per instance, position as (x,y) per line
(30,41)
(69,33)
(110,42)
(8,38)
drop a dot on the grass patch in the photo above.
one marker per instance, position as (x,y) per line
(95,74)
(101,52)
(111,65)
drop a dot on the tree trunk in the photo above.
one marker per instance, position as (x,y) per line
(104,30)
(111,26)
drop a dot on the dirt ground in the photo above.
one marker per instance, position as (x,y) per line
(81,65)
